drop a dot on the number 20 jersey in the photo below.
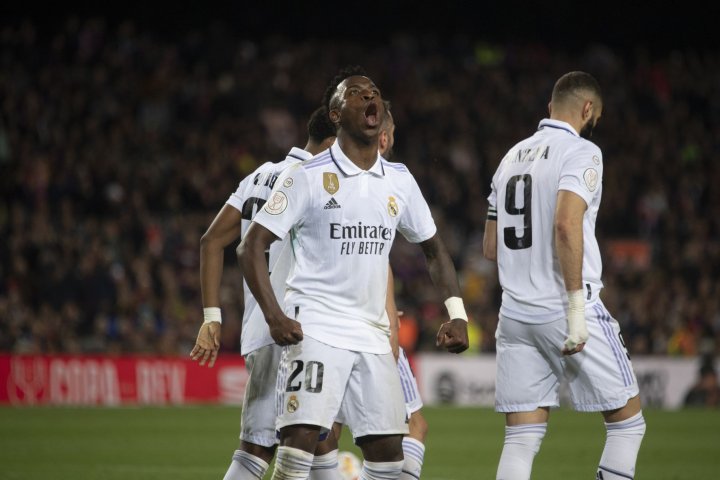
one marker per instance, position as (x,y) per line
(523,200)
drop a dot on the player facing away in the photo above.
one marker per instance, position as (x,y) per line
(553,325)
(257,427)
(414,441)
(342,209)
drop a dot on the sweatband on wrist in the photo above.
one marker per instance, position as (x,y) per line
(211,314)
(576,301)
(455,308)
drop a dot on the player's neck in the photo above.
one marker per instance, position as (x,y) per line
(362,154)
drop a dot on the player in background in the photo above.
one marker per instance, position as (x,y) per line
(342,209)
(414,441)
(258,439)
(553,325)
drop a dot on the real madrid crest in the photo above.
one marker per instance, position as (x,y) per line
(292,404)
(392,207)
(330,182)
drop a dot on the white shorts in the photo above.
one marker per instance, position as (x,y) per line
(316,382)
(413,402)
(257,422)
(530,365)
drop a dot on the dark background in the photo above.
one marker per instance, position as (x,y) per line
(570,25)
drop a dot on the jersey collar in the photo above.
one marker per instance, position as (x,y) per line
(558,124)
(299,154)
(348,168)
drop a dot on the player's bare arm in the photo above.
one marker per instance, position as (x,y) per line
(569,214)
(452,334)
(490,240)
(251,254)
(224,230)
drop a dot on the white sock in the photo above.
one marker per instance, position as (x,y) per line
(292,464)
(381,470)
(245,466)
(414,452)
(522,442)
(325,467)
(621,448)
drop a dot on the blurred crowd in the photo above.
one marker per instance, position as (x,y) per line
(119,145)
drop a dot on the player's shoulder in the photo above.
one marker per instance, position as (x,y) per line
(586,148)
(393,167)
(321,159)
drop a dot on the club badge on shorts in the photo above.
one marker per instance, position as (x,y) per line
(292,404)
(330,182)
(392,207)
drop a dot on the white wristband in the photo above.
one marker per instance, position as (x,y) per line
(455,308)
(577,327)
(212,314)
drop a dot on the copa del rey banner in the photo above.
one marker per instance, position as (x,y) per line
(110,381)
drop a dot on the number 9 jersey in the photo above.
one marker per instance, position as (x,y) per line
(522,201)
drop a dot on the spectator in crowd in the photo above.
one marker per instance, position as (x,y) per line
(706,391)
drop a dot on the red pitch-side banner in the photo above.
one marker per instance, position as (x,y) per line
(109,381)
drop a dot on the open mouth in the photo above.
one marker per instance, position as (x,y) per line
(371,115)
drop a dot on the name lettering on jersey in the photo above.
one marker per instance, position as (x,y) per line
(357,239)
(529,154)
(392,207)
(331,183)
(267,180)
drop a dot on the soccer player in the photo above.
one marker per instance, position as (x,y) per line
(553,325)
(414,441)
(257,429)
(342,209)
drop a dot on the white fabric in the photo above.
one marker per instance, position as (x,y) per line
(292,464)
(621,448)
(257,421)
(342,223)
(325,467)
(250,196)
(414,453)
(522,443)
(381,470)
(245,466)
(530,365)
(316,381)
(533,172)
(411,393)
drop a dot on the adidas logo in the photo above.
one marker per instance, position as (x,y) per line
(332,203)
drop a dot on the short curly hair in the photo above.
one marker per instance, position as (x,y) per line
(349,71)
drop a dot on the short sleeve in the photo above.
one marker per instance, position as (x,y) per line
(492,202)
(582,172)
(237,198)
(287,202)
(416,223)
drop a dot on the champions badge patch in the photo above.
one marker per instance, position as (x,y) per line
(277,204)
(292,404)
(330,182)
(591,179)
(392,207)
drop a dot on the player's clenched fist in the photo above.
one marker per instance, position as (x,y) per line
(285,331)
(453,336)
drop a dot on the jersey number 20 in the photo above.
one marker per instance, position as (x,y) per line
(512,241)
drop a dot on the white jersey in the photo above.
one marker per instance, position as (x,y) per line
(342,223)
(526,184)
(249,198)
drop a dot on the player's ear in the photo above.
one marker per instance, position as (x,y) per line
(587,111)
(334,116)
